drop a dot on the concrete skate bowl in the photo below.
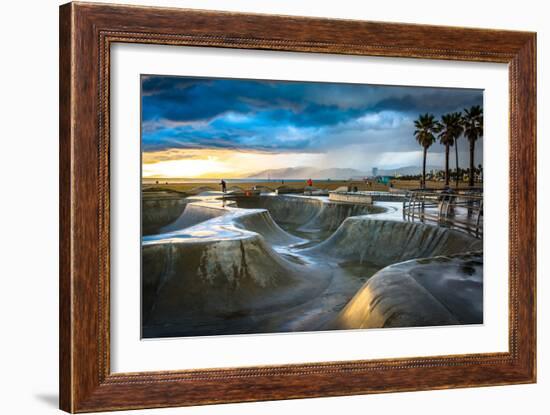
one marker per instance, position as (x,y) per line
(311,218)
(192,214)
(444,290)
(160,208)
(430,275)
(217,277)
(233,267)
(385,242)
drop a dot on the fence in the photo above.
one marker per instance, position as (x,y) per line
(458,210)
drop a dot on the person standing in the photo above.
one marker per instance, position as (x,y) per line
(224,186)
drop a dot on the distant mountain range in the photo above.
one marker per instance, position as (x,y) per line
(306,172)
(333,173)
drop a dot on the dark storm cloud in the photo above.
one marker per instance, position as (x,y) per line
(436,100)
(280,116)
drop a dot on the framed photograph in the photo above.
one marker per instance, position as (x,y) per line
(260,207)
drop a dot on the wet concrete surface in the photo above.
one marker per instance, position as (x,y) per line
(444,290)
(229,267)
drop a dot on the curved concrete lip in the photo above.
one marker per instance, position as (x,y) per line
(219,249)
(226,224)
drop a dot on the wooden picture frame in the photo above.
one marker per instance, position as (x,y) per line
(86,33)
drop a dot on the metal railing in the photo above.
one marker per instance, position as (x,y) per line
(458,210)
(376,196)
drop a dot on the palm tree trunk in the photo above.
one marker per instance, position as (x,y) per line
(446,164)
(424,168)
(456,155)
(472,150)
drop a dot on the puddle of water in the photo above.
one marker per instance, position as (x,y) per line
(360,271)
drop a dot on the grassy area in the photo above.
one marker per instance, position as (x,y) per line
(194,188)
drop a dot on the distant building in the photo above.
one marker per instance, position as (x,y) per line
(384,179)
(375,171)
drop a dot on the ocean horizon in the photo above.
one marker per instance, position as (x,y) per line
(148,180)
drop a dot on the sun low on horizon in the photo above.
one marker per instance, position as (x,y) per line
(237,128)
(213,164)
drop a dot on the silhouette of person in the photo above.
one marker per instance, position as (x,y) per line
(224,186)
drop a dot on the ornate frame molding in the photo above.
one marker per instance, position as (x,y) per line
(86,34)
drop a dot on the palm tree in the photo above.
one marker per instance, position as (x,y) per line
(426,128)
(473,129)
(451,129)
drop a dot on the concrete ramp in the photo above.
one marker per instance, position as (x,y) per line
(385,242)
(283,209)
(331,215)
(193,214)
(261,222)
(444,290)
(159,209)
(307,214)
(220,285)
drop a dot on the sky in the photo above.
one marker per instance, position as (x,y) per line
(234,128)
